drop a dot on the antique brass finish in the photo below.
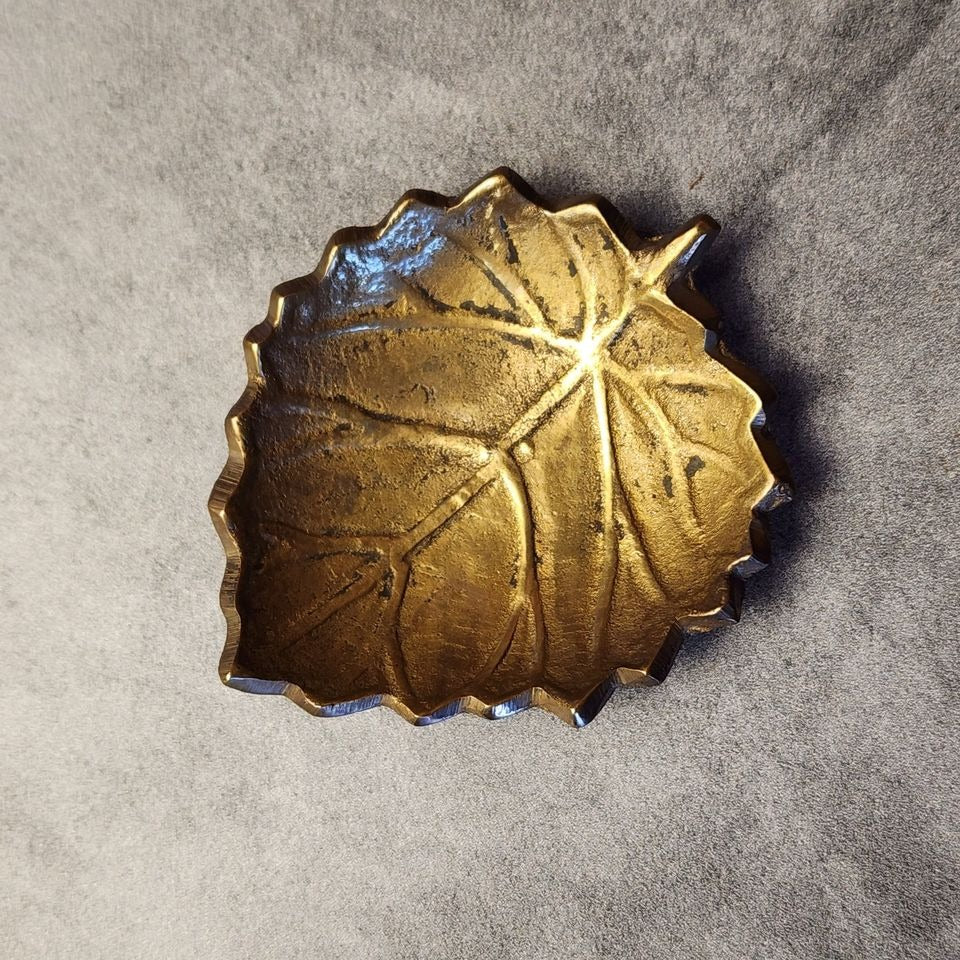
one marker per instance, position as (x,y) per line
(487,458)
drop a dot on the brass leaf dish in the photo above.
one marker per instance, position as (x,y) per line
(491,455)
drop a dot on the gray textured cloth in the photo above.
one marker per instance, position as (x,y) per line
(789,792)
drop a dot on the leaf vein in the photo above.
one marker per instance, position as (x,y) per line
(611,550)
(636,524)
(517,486)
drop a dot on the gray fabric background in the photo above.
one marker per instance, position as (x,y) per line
(791,791)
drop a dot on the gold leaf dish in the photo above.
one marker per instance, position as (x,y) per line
(491,455)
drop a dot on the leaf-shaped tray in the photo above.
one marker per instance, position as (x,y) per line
(488,457)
